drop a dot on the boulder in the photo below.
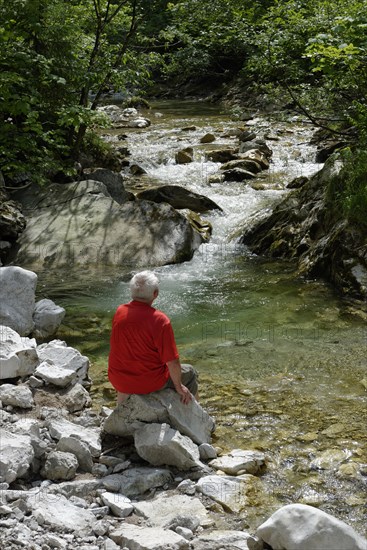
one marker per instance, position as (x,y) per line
(55,375)
(16,455)
(60,514)
(124,118)
(256,155)
(239,462)
(58,354)
(245,163)
(136,481)
(148,538)
(237,174)
(79,224)
(302,527)
(79,449)
(221,539)
(168,511)
(114,184)
(207,138)
(18,356)
(16,396)
(119,505)
(258,145)
(76,399)
(179,197)
(18,288)
(60,427)
(233,493)
(159,444)
(221,155)
(184,156)
(60,465)
(163,406)
(47,317)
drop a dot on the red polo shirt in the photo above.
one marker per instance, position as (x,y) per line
(142,341)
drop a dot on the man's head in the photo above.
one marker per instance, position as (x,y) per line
(144,286)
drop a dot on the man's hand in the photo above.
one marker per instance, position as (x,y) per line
(185,394)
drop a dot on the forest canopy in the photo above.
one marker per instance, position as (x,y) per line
(59,57)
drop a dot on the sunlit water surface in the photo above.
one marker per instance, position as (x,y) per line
(282,363)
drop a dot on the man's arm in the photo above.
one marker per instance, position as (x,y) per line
(174,368)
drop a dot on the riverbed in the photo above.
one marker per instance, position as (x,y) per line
(281,360)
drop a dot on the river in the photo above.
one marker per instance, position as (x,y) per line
(282,362)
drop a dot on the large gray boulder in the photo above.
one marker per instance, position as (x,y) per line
(16,455)
(179,197)
(47,317)
(148,538)
(161,407)
(159,444)
(18,356)
(17,302)
(79,224)
(136,481)
(16,396)
(302,527)
(60,427)
(114,184)
(62,357)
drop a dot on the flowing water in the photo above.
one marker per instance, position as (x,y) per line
(282,362)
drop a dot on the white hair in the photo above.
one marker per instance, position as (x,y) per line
(143,285)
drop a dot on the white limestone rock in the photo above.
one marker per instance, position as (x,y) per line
(57,376)
(221,539)
(239,462)
(76,399)
(161,407)
(148,538)
(60,514)
(81,488)
(302,527)
(233,493)
(16,396)
(136,481)
(330,459)
(78,448)
(159,444)
(16,455)
(47,317)
(207,451)
(58,353)
(18,356)
(60,465)
(168,511)
(119,504)
(59,427)
(18,287)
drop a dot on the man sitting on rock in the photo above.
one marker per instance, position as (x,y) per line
(143,354)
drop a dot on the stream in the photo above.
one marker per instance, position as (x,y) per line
(281,361)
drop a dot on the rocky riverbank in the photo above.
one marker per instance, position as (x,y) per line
(144,476)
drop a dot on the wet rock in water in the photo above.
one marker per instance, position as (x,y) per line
(246,135)
(302,527)
(124,118)
(148,538)
(222,155)
(245,163)
(179,197)
(233,493)
(60,466)
(17,455)
(258,145)
(185,156)
(137,170)
(159,444)
(18,288)
(329,459)
(257,156)
(80,224)
(304,226)
(239,462)
(201,226)
(297,183)
(207,138)
(18,355)
(237,174)
(163,406)
(47,317)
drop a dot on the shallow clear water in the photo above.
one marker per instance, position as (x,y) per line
(282,363)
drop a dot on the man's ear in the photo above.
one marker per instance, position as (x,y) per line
(155,293)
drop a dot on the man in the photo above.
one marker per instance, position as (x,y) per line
(143,354)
